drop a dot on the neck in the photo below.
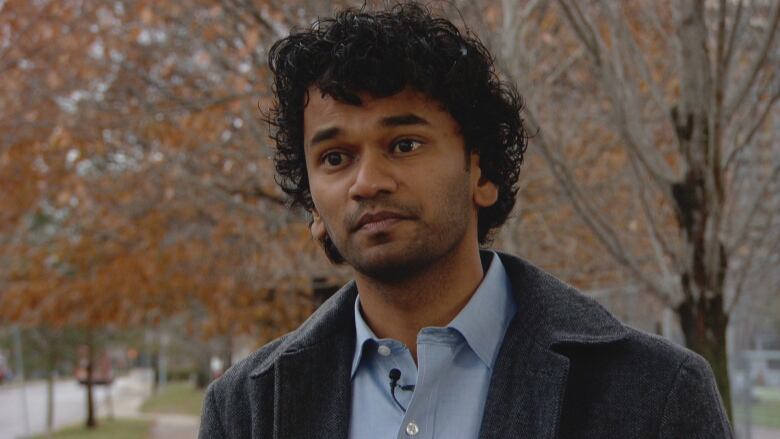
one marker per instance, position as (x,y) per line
(432,297)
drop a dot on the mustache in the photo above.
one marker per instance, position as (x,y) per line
(352,218)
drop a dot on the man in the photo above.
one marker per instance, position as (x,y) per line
(395,133)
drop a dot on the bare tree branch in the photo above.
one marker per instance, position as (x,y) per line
(744,228)
(733,104)
(595,220)
(262,17)
(720,40)
(622,95)
(660,246)
(563,67)
(582,29)
(739,146)
(631,51)
(224,196)
(515,19)
(747,273)
(729,51)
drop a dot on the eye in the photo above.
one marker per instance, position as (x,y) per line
(406,145)
(333,159)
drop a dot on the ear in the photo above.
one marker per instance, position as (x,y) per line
(317,227)
(485,191)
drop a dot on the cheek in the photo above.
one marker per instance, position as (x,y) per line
(449,190)
(316,186)
(326,201)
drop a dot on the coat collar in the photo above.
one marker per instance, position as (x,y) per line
(311,366)
(548,310)
(526,391)
(554,313)
(311,373)
(333,319)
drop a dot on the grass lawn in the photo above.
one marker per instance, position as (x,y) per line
(176,397)
(767,393)
(106,429)
(765,412)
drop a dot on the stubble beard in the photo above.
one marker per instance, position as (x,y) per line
(430,244)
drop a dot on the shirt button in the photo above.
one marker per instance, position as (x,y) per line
(383,350)
(412,429)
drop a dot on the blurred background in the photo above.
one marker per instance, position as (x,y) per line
(145,247)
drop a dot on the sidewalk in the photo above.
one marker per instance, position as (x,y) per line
(129,395)
(174,427)
(765,433)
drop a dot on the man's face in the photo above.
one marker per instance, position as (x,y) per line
(391,183)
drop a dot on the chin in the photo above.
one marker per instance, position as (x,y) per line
(387,264)
(388,271)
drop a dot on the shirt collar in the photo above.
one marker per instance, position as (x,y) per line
(363,335)
(482,322)
(484,319)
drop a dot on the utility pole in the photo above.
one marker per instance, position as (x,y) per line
(20,377)
(162,361)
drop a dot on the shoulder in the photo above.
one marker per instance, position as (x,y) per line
(246,389)
(666,390)
(642,362)
(558,315)
(228,403)
(234,378)
(659,353)
(232,385)
(690,404)
(334,316)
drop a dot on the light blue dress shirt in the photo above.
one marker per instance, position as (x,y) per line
(455,365)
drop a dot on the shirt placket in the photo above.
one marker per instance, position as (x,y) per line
(434,352)
(393,354)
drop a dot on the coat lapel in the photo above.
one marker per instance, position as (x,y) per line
(528,385)
(526,390)
(311,373)
(313,391)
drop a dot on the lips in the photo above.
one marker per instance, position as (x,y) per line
(379,217)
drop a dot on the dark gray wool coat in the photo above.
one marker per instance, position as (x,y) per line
(566,369)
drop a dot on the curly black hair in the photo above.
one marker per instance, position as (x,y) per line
(381,53)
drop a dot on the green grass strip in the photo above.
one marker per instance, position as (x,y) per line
(763,413)
(106,429)
(175,398)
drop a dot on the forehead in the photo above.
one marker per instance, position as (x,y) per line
(324,112)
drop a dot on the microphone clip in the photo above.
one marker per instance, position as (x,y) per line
(395,375)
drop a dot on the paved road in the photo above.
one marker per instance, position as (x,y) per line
(174,427)
(765,433)
(70,406)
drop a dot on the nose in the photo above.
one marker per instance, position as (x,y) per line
(373,177)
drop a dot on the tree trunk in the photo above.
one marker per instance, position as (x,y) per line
(704,324)
(156,369)
(228,349)
(203,373)
(91,421)
(51,368)
(702,314)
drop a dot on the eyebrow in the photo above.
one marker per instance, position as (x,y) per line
(388,122)
(323,135)
(403,119)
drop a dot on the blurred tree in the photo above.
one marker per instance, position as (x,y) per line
(656,121)
(136,179)
(137,182)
